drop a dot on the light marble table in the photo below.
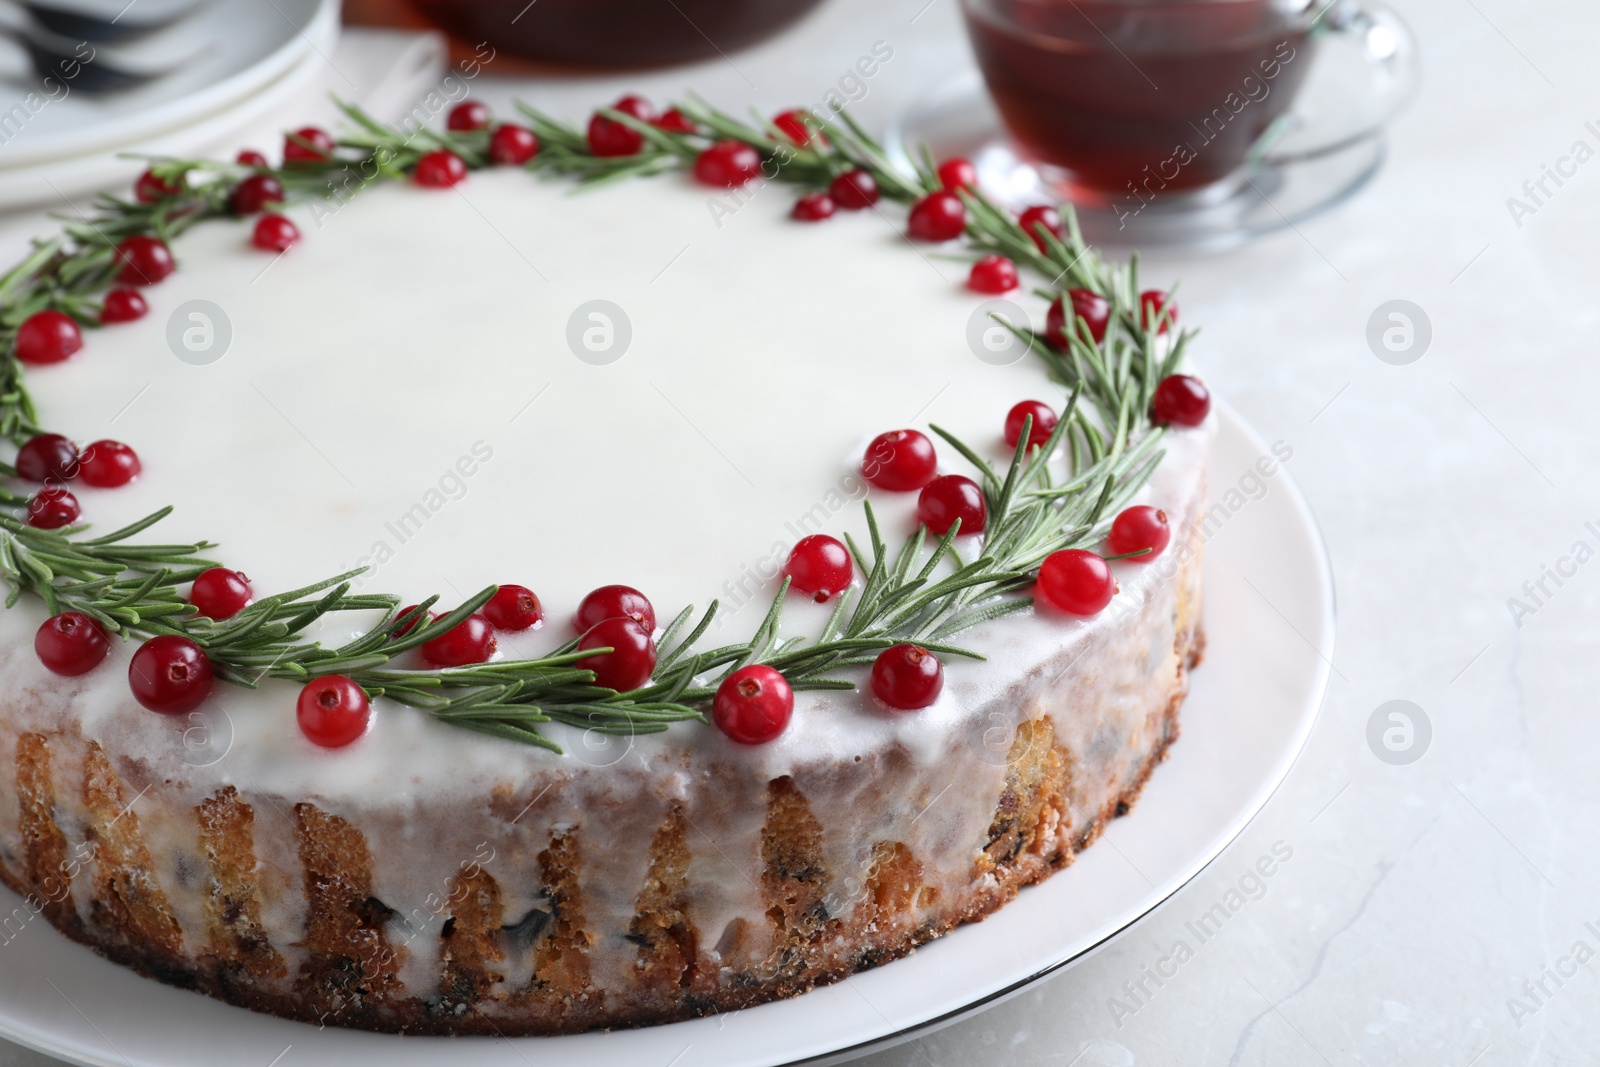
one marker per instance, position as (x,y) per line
(1427,907)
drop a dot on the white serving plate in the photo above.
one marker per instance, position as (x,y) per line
(1270,625)
(234,49)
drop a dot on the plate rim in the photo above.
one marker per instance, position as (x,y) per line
(1309,713)
(1324,671)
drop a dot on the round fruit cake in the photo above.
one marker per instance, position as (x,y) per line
(386,689)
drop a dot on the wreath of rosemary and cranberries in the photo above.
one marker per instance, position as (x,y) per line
(895,612)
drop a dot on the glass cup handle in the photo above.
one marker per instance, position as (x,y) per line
(1364,71)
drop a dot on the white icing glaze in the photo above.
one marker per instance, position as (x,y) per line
(413,331)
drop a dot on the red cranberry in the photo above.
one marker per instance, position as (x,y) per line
(470,641)
(143,260)
(71,644)
(907,677)
(402,628)
(1035,217)
(511,145)
(255,193)
(1091,307)
(637,107)
(333,711)
(1141,529)
(52,508)
(938,216)
(274,233)
(1181,400)
(220,594)
(513,608)
(951,497)
(814,207)
(820,567)
(630,661)
(1044,423)
(47,337)
(1152,302)
(307,145)
(673,121)
(727,165)
(615,602)
(170,674)
(993,274)
(900,461)
(468,115)
(439,169)
(150,188)
(47,457)
(608,137)
(108,465)
(251,158)
(1076,581)
(796,125)
(854,190)
(753,705)
(958,173)
(123,305)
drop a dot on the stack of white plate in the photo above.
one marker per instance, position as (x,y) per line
(235,61)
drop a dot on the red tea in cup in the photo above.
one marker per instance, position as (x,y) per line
(1140,96)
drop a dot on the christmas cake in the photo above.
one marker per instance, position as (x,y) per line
(453,600)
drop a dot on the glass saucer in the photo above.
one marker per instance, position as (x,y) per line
(1273,193)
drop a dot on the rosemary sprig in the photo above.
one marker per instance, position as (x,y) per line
(922,592)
